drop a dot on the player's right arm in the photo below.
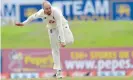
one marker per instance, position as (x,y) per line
(30,18)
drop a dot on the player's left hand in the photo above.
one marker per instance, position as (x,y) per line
(62,44)
(19,24)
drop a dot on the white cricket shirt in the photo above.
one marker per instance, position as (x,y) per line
(55,20)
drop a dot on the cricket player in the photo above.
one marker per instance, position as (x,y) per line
(58,29)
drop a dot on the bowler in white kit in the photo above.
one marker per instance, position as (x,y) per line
(58,29)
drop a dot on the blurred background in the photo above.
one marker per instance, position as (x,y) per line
(103,47)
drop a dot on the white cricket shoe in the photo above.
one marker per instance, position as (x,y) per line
(59,75)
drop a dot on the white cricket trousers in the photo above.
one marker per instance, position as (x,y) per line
(54,41)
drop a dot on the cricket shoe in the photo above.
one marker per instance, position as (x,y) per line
(59,75)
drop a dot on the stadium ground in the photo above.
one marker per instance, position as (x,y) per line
(100,78)
(86,78)
(86,33)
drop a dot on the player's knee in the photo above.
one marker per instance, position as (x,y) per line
(70,41)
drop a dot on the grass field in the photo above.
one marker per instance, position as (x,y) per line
(87,78)
(100,78)
(86,33)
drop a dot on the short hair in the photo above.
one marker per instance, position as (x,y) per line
(44,3)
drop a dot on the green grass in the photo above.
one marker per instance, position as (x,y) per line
(87,34)
(97,78)
(87,78)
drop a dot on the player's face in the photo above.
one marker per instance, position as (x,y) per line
(48,10)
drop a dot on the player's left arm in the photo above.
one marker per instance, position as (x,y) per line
(58,17)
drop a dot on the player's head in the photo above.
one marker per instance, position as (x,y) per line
(47,7)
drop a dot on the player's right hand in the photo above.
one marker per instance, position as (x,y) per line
(19,24)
